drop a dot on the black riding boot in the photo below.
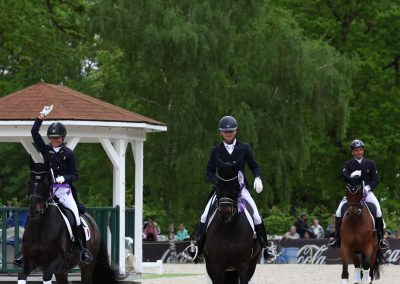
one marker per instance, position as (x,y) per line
(200,240)
(262,239)
(19,259)
(383,243)
(336,241)
(79,234)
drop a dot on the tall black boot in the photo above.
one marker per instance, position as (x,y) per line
(19,259)
(383,243)
(262,239)
(336,241)
(79,234)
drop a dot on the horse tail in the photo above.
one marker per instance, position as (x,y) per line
(103,272)
(380,261)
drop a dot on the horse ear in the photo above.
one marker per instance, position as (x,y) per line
(31,162)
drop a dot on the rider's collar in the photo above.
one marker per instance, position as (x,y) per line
(359,160)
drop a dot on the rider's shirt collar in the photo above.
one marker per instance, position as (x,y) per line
(57,149)
(359,160)
(230,147)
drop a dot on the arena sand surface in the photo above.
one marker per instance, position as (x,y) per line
(270,274)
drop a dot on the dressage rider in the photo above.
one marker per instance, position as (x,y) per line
(239,153)
(364,169)
(61,160)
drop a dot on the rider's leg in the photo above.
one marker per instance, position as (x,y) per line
(19,257)
(258,225)
(335,242)
(383,243)
(201,229)
(78,230)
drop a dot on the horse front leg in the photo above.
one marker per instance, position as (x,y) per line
(27,269)
(357,268)
(345,266)
(62,277)
(47,277)
(367,263)
(244,274)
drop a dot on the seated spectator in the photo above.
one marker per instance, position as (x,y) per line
(330,229)
(317,230)
(388,234)
(308,234)
(150,231)
(398,234)
(291,234)
(182,233)
(301,224)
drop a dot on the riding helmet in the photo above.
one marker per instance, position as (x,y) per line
(356,143)
(56,129)
(227,123)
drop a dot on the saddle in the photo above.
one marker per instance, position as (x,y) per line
(69,220)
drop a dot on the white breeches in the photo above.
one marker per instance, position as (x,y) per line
(246,195)
(65,197)
(370,198)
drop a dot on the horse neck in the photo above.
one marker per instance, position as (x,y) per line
(48,223)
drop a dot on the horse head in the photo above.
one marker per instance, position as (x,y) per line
(39,182)
(228,190)
(355,200)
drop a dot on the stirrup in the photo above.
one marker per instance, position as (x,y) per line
(332,243)
(18,259)
(270,253)
(383,244)
(85,256)
(191,253)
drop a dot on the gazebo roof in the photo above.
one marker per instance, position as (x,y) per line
(68,104)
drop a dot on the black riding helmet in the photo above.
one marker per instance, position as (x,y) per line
(227,123)
(356,143)
(56,129)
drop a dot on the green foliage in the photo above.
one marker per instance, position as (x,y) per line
(278,220)
(302,78)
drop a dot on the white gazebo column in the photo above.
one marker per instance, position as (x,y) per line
(117,157)
(27,143)
(137,149)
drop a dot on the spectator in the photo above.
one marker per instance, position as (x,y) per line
(150,231)
(398,234)
(317,230)
(330,229)
(308,234)
(388,234)
(301,224)
(182,233)
(291,234)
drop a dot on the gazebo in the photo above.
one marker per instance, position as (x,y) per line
(88,120)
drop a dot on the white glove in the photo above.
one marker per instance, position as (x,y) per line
(60,179)
(46,110)
(355,174)
(258,186)
(367,188)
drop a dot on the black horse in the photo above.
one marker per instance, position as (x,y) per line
(46,242)
(231,251)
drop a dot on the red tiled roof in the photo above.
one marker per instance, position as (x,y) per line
(68,105)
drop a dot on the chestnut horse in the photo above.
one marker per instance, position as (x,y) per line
(358,239)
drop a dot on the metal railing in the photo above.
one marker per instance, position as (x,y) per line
(12,224)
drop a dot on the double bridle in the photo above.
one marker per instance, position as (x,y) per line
(359,204)
(37,196)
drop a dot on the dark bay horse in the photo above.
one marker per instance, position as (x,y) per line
(231,251)
(46,242)
(359,238)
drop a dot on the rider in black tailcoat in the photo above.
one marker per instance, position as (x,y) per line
(232,151)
